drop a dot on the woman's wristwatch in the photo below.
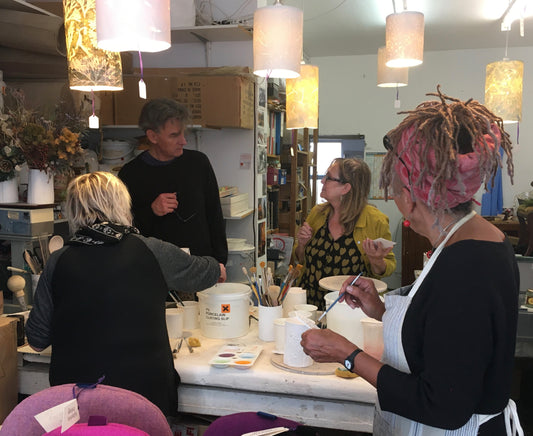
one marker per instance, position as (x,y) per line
(348,362)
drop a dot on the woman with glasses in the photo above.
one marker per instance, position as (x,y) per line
(449,338)
(337,237)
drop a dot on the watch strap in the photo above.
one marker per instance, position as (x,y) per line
(351,359)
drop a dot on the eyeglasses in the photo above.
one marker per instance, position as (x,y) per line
(388,146)
(333,179)
(184,220)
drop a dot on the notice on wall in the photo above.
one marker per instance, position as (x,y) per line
(374,161)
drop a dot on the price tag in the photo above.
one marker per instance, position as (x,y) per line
(142,89)
(93,122)
(64,415)
(397,104)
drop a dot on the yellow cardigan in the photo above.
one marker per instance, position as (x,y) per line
(372,223)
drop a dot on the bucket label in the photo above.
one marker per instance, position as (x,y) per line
(222,315)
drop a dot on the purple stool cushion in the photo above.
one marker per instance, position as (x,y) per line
(110,429)
(244,422)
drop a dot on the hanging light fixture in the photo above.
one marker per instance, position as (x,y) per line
(133,25)
(390,77)
(302,99)
(404,35)
(503,89)
(89,68)
(278,41)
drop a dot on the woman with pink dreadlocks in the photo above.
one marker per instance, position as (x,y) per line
(450,336)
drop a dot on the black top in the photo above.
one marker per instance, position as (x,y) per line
(459,338)
(198,222)
(102,308)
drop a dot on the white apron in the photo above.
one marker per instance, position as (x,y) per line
(390,424)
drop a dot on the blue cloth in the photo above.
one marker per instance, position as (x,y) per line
(492,200)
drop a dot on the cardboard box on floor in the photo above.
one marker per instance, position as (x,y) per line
(8,366)
(216,97)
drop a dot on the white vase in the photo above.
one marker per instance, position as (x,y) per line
(40,187)
(9,191)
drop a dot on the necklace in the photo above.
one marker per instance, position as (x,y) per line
(444,232)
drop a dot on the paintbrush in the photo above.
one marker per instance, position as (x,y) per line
(337,299)
(251,285)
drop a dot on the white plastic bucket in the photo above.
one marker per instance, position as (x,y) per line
(116,152)
(225,310)
(344,320)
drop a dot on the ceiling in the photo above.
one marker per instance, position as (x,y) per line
(357,27)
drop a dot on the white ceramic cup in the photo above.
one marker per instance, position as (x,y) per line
(373,337)
(279,335)
(311,308)
(299,314)
(293,354)
(190,315)
(266,316)
(174,318)
(295,295)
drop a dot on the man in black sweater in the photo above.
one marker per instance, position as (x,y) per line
(174,191)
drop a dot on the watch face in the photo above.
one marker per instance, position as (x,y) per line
(348,364)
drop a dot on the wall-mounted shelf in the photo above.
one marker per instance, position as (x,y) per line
(226,32)
(241,215)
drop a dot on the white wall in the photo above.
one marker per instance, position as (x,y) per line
(351,103)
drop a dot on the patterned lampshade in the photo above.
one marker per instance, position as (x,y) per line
(302,99)
(404,37)
(133,25)
(89,68)
(503,89)
(390,77)
(278,41)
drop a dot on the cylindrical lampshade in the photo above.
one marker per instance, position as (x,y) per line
(89,68)
(404,37)
(133,25)
(503,89)
(390,77)
(302,99)
(278,41)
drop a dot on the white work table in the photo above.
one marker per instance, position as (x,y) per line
(316,400)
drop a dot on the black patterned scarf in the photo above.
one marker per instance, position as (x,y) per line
(104,233)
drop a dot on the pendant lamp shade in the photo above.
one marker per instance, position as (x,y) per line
(390,77)
(133,25)
(89,68)
(278,41)
(404,37)
(503,89)
(302,99)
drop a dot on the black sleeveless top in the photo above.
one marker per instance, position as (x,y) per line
(109,319)
(326,257)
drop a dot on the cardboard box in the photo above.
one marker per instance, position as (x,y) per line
(8,366)
(215,100)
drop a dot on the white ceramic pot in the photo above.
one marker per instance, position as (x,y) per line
(40,187)
(9,191)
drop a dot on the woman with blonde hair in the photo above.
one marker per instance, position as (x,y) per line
(449,338)
(100,301)
(337,237)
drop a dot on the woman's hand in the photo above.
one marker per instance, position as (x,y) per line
(363,294)
(304,235)
(376,255)
(326,345)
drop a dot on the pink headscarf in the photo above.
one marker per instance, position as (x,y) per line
(461,185)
